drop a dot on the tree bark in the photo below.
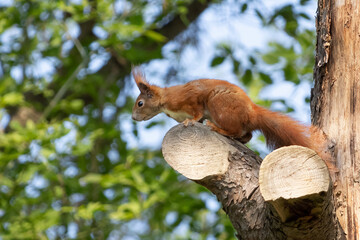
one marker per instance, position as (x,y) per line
(231,171)
(335,102)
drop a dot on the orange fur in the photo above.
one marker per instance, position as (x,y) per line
(280,130)
(227,109)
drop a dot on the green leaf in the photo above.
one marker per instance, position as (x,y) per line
(236,66)
(127,211)
(260,16)
(304,2)
(291,27)
(140,181)
(155,36)
(27,174)
(291,74)
(46,220)
(77,104)
(88,211)
(266,78)
(91,178)
(6,181)
(244,7)
(46,152)
(136,19)
(290,109)
(157,197)
(82,148)
(11,99)
(304,15)
(217,61)
(252,60)
(270,58)
(155,123)
(247,77)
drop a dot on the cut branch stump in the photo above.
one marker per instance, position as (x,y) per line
(295,201)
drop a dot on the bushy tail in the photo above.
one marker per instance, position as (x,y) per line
(281,130)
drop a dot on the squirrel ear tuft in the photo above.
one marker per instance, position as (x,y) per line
(139,78)
(141,82)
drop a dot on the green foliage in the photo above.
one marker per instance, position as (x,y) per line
(296,65)
(67,170)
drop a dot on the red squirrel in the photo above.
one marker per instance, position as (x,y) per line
(227,109)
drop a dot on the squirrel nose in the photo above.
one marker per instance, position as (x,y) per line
(133,116)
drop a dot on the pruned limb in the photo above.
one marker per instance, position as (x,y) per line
(290,177)
(296,182)
(231,171)
(228,169)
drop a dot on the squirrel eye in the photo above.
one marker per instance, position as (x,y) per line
(140,103)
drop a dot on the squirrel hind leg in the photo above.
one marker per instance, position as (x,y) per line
(245,138)
(215,128)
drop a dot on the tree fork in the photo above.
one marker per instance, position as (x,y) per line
(231,171)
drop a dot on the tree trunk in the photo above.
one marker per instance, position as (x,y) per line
(335,102)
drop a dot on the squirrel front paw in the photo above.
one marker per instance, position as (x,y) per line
(189,122)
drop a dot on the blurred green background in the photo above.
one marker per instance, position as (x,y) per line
(73,163)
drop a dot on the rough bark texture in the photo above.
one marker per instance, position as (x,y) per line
(335,102)
(231,171)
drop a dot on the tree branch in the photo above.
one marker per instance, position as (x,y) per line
(177,24)
(231,171)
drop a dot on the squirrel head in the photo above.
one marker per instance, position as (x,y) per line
(148,103)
